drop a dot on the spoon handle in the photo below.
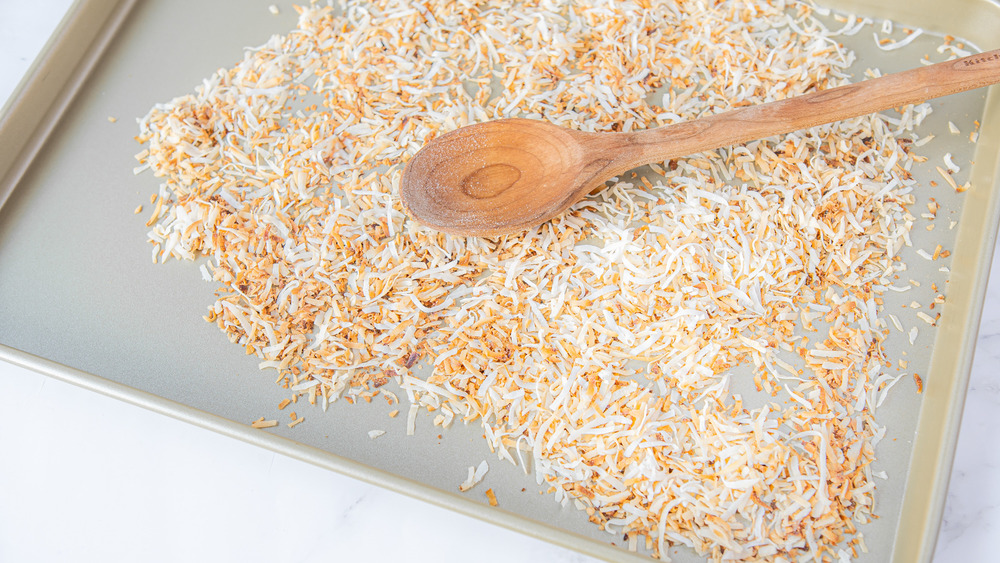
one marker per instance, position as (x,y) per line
(808,110)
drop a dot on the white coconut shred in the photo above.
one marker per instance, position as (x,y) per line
(601,344)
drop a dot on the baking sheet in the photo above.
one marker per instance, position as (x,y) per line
(82,301)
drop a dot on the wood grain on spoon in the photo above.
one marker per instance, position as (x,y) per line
(505,176)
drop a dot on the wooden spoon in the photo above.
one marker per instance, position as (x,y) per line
(505,176)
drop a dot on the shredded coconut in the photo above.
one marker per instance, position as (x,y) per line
(601,345)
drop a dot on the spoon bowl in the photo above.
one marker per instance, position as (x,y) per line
(505,176)
(494,177)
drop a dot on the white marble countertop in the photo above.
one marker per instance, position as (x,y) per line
(76,467)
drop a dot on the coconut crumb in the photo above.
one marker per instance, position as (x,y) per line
(261,423)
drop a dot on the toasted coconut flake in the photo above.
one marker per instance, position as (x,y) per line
(411,419)
(893,45)
(261,423)
(952,167)
(951,181)
(476,475)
